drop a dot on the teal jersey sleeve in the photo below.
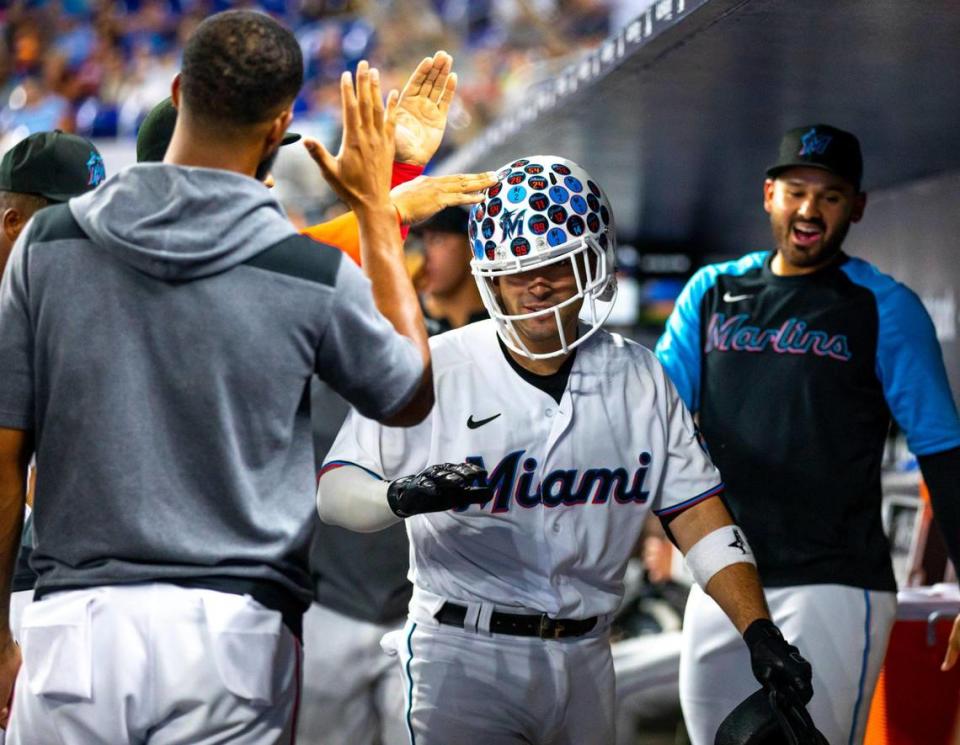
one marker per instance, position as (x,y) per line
(910,363)
(679,347)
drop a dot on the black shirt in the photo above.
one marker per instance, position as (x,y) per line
(795,380)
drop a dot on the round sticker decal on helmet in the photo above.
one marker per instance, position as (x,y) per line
(593,188)
(573,183)
(534,168)
(557,214)
(559,194)
(472,230)
(490,248)
(487,227)
(604,214)
(517,177)
(561,169)
(575,225)
(520,247)
(593,222)
(516,194)
(556,237)
(538,224)
(578,204)
(477,248)
(538,200)
(478,212)
(519,163)
(593,202)
(493,207)
(502,174)
(537,183)
(495,189)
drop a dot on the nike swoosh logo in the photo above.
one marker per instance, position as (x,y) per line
(728,298)
(473,424)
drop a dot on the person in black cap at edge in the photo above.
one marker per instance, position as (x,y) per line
(43,169)
(795,360)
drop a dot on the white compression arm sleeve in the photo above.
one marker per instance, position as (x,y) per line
(353,499)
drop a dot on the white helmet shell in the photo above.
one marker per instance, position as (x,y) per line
(544,210)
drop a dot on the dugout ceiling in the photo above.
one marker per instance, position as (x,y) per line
(679,114)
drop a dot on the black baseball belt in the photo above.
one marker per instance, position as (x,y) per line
(518,624)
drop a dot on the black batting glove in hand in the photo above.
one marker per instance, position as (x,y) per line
(439,488)
(776,664)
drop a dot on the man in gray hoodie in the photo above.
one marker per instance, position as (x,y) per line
(157,339)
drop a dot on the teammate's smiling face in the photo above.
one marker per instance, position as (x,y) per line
(537,290)
(810,212)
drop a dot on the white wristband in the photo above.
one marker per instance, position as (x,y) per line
(716,551)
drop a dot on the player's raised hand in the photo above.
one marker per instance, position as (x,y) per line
(9,667)
(953,647)
(423,107)
(360,173)
(423,197)
(439,488)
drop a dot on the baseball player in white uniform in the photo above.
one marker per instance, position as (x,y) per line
(550,441)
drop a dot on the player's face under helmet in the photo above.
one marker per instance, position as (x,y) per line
(545,210)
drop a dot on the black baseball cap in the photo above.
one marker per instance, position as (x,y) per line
(448,220)
(54,165)
(821,146)
(156,131)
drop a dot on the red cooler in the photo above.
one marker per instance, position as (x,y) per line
(915,703)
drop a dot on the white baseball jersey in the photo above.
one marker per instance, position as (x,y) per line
(572,482)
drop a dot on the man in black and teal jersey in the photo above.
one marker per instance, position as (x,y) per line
(795,361)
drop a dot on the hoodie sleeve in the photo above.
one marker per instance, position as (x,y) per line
(16,341)
(361,356)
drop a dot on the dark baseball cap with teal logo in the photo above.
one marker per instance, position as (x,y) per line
(821,146)
(156,131)
(55,165)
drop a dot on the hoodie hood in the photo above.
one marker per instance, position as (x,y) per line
(179,222)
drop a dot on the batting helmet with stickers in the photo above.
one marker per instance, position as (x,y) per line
(545,210)
(764,718)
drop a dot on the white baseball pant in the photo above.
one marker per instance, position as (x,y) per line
(473,688)
(352,691)
(842,631)
(154,663)
(647,671)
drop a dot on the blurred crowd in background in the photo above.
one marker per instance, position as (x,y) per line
(96,67)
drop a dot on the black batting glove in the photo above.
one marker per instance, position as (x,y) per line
(439,488)
(776,664)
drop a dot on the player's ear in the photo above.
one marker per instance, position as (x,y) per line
(12,223)
(175,91)
(768,187)
(859,205)
(278,127)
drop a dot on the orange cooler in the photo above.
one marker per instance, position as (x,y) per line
(915,703)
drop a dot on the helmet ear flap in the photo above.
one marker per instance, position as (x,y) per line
(609,290)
